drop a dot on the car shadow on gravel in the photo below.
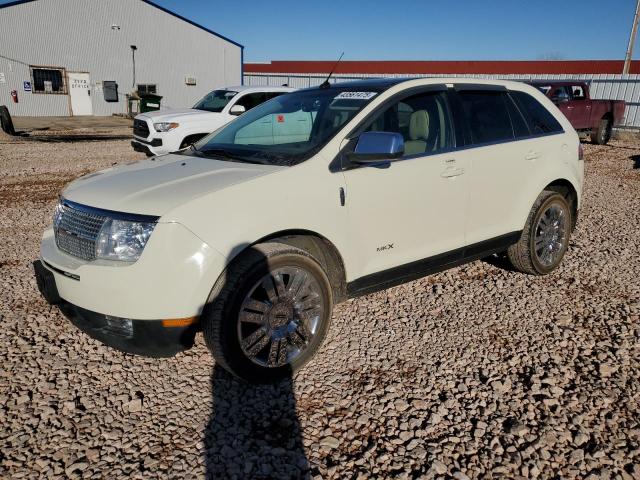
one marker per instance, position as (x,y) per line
(253,430)
(636,161)
(499,261)
(74,138)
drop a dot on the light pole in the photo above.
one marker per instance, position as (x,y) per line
(632,41)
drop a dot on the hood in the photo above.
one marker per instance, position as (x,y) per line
(178,114)
(159,184)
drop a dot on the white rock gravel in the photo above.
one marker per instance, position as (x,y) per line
(476,372)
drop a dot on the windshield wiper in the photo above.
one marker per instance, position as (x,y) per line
(226,155)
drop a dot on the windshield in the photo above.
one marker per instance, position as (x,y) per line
(215,101)
(288,129)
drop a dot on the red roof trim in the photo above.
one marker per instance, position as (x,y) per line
(454,67)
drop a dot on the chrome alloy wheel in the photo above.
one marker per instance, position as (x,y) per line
(280,316)
(550,235)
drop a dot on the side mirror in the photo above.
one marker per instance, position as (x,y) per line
(372,147)
(559,98)
(237,110)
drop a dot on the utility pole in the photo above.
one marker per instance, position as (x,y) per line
(133,56)
(632,40)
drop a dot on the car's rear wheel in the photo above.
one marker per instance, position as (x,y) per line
(602,134)
(545,237)
(269,313)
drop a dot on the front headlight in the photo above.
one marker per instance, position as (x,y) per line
(57,215)
(165,126)
(122,240)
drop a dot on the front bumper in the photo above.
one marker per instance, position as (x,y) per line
(151,338)
(171,280)
(151,147)
(141,147)
(158,143)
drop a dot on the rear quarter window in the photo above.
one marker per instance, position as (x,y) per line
(540,120)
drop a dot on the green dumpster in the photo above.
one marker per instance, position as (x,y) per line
(133,104)
(149,102)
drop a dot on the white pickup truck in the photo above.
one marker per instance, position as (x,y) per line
(166,131)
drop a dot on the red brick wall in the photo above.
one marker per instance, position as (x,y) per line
(453,67)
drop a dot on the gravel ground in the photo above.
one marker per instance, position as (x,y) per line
(476,372)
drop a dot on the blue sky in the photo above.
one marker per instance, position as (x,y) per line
(418,29)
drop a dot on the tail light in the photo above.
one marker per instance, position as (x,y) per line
(580,152)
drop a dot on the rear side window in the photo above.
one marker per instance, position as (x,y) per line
(577,92)
(538,117)
(520,127)
(488,116)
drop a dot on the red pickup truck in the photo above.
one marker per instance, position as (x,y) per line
(595,117)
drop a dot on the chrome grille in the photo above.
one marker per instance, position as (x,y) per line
(76,231)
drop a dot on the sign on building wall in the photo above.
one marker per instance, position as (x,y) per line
(2,78)
(27,86)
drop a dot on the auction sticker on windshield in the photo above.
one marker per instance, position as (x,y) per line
(356,95)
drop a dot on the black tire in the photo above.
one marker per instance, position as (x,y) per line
(191,139)
(602,134)
(5,121)
(522,255)
(220,319)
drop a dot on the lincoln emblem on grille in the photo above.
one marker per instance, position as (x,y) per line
(64,230)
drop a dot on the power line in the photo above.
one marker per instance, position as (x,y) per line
(14,60)
(632,40)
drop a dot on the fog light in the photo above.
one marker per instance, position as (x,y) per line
(122,327)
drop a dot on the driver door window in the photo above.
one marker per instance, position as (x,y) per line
(251,100)
(561,94)
(563,98)
(422,120)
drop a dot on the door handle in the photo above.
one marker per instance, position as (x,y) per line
(452,172)
(532,156)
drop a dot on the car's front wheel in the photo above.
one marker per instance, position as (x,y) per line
(269,313)
(545,236)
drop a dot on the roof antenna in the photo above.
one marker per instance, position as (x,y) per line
(326,83)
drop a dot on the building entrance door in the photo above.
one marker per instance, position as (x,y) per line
(80,92)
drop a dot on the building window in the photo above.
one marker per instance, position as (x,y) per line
(147,88)
(48,80)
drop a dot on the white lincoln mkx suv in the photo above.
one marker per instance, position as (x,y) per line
(315,196)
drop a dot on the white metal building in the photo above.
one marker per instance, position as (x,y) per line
(82,57)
